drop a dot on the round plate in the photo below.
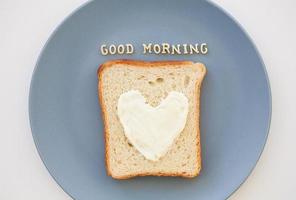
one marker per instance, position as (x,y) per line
(65,115)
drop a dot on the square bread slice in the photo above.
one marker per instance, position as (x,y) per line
(154,80)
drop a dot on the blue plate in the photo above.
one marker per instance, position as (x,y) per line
(65,115)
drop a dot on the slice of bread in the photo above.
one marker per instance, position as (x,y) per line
(154,80)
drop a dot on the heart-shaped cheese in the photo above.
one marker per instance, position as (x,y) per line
(152,130)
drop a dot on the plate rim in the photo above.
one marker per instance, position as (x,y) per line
(51,35)
(215,5)
(244,31)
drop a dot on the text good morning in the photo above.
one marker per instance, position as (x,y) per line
(159,49)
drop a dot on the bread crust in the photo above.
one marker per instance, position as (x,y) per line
(140,63)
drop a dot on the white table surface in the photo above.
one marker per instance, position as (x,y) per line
(25,27)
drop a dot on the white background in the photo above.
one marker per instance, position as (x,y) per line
(25,27)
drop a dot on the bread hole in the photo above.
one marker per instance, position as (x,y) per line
(178,147)
(146,96)
(129,144)
(188,157)
(154,103)
(186,81)
(184,164)
(171,74)
(174,86)
(124,74)
(141,77)
(159,80)
(151,83)
(119,161)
